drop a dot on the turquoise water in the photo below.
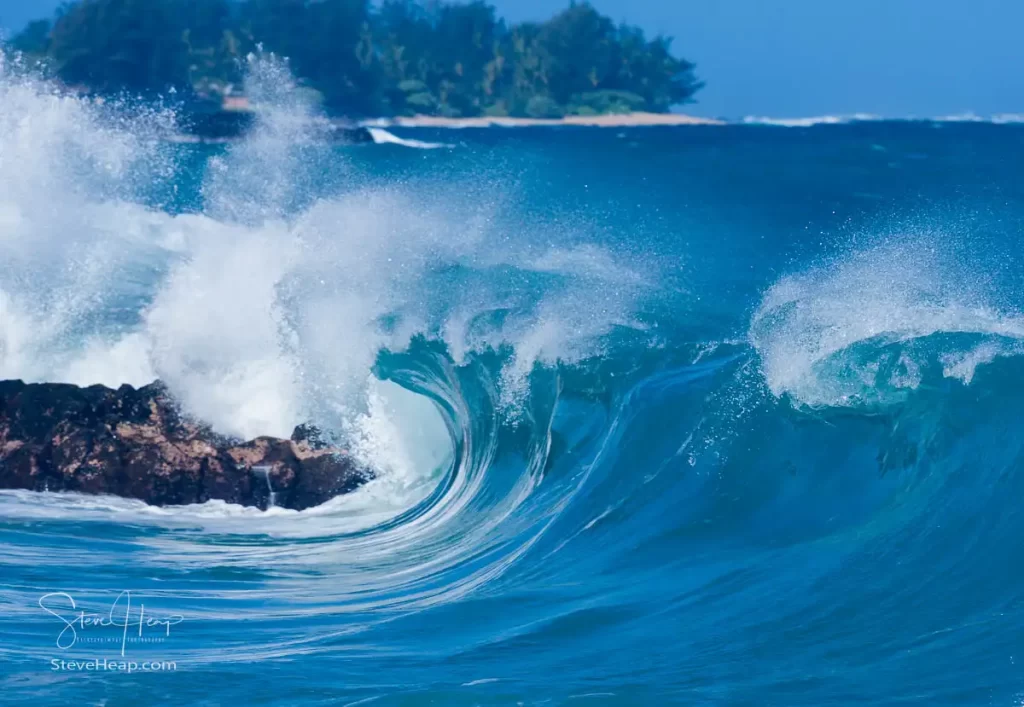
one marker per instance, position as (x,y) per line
(717,415)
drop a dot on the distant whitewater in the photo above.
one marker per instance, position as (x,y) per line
(969,117)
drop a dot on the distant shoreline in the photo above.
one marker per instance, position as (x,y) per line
(234,123)
(622,120)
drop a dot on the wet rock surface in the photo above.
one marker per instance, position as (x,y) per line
(135,443)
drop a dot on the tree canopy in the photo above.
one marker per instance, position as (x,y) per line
(400,57)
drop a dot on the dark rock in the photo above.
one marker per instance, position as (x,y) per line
(311,435)
(134,443)
(349,135)
(216,124)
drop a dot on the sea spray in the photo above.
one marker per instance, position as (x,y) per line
(861,327)
(267,301)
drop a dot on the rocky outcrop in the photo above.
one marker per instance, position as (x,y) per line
(134,443)
(215,124)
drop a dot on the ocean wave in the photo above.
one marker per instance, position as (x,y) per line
(260,308)
(597,459)
(864,328)
(811,120)
(403,326)
(383,137)
(967,117)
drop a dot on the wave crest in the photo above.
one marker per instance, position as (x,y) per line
(866,327)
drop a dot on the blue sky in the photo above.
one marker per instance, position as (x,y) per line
(789,58)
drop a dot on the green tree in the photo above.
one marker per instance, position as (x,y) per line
(463,43)
(529,74)
(34,40)
(399,33)
(576,48)
(401,57)
(117,45)
(214,49)
(329,59)
(280,26)
(649,69)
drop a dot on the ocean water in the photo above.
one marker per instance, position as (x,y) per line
(698,416)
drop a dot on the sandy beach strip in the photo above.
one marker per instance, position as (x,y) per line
(623,120)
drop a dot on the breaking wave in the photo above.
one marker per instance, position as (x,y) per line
(575,479)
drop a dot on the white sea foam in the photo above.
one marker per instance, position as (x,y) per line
(264,310)
(808,327)
(810,121)
(383,137)
(966,117)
